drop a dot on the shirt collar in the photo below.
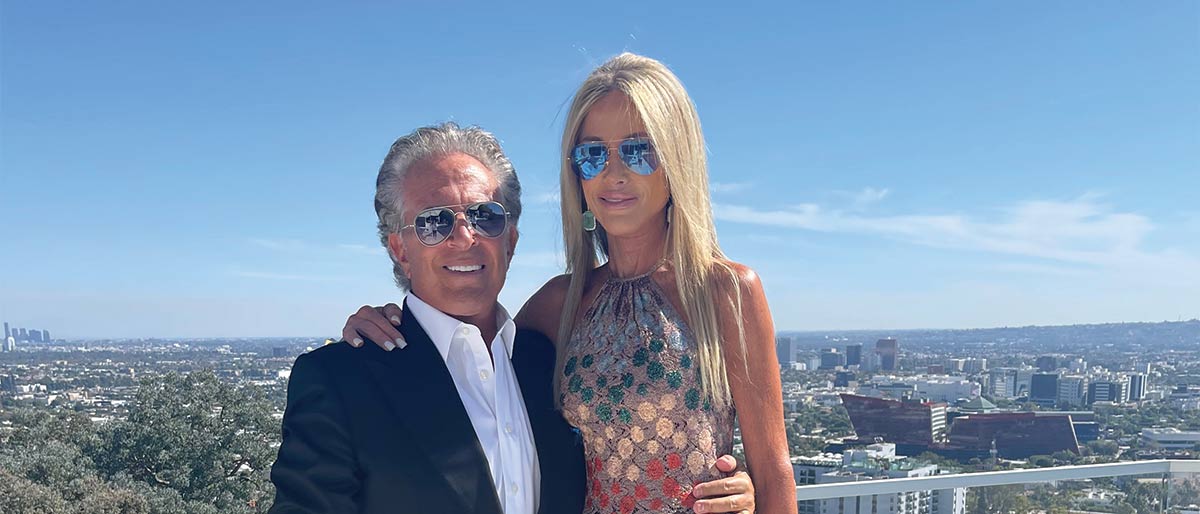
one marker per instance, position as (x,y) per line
(441,327)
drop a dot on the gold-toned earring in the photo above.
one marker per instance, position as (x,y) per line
(589,221)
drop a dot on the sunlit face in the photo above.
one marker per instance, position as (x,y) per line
(624,202)
(463,275)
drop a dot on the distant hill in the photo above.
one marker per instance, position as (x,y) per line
(1182,335)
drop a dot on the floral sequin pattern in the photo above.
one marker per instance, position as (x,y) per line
(632,387)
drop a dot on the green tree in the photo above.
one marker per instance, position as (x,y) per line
(206,439)
(1103,447)
(19,495)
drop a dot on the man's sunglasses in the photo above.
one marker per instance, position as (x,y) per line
(434,225)
(589,158)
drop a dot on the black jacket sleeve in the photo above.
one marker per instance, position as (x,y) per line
(316,471)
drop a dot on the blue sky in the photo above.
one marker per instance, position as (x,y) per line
(208,169)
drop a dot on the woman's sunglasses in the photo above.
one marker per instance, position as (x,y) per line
(591,157)
(434,225)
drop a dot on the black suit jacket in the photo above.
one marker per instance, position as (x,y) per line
(385,432)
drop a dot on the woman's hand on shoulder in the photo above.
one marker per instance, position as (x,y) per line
(543,310)
(379,325)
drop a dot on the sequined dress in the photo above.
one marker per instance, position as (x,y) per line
(632,387)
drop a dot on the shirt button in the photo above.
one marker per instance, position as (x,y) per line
(513,488)
(508,427)
(483,374)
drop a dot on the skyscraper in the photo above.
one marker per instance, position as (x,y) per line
(46,336)
(1137,387)
(24,335)
(1072,391)
(830,358)
(6,332)
(854,354)
(785,351)
(888,350)
(1002,382)
(1115,391)
(1043,389)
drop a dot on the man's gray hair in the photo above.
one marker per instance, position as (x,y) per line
(435,140)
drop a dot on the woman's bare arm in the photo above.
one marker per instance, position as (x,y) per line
(757,392)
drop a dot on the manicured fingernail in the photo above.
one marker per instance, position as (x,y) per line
(389,346)
(400,343)
(395,320)
(357,342)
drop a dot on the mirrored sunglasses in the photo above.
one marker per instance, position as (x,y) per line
(434,225)
(591,157)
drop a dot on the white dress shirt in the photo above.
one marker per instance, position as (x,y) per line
(492,396)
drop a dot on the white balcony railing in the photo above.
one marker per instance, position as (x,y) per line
(994,478)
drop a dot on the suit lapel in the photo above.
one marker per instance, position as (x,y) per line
(422,392)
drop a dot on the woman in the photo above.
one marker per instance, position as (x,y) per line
(660,336)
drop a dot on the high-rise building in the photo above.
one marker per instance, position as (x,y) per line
(24,335)
(874,462)
(907,422)
(35,335)
(1043,389)
(1014,435)
(1072,391)
(10,344)
(854,354)
(974,365)
(1047,363)
(46,336)
(843,379)
(1002,382)
(889,351)
(6,332)
(1137,387)
(870,361)
(831,359)
(785,351)
(1115,391)
(1024,381)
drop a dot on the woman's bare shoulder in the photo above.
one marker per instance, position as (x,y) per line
(725,271)
(543,310)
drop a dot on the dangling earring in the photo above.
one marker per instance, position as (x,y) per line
(670,212)
(589,221)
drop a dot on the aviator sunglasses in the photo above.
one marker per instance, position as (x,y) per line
(434,225)
(590,158)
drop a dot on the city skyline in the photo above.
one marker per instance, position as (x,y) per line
(962,166)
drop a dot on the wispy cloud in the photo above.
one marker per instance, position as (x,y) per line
(1082,231)
(729,187)
(310,247)
(284,276)
(363,249)
(869,196)
(280,244)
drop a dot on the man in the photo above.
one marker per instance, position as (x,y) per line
(462,420)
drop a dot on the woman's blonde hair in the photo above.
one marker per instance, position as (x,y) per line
(674,127)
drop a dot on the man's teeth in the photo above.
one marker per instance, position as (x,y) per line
(464,268)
